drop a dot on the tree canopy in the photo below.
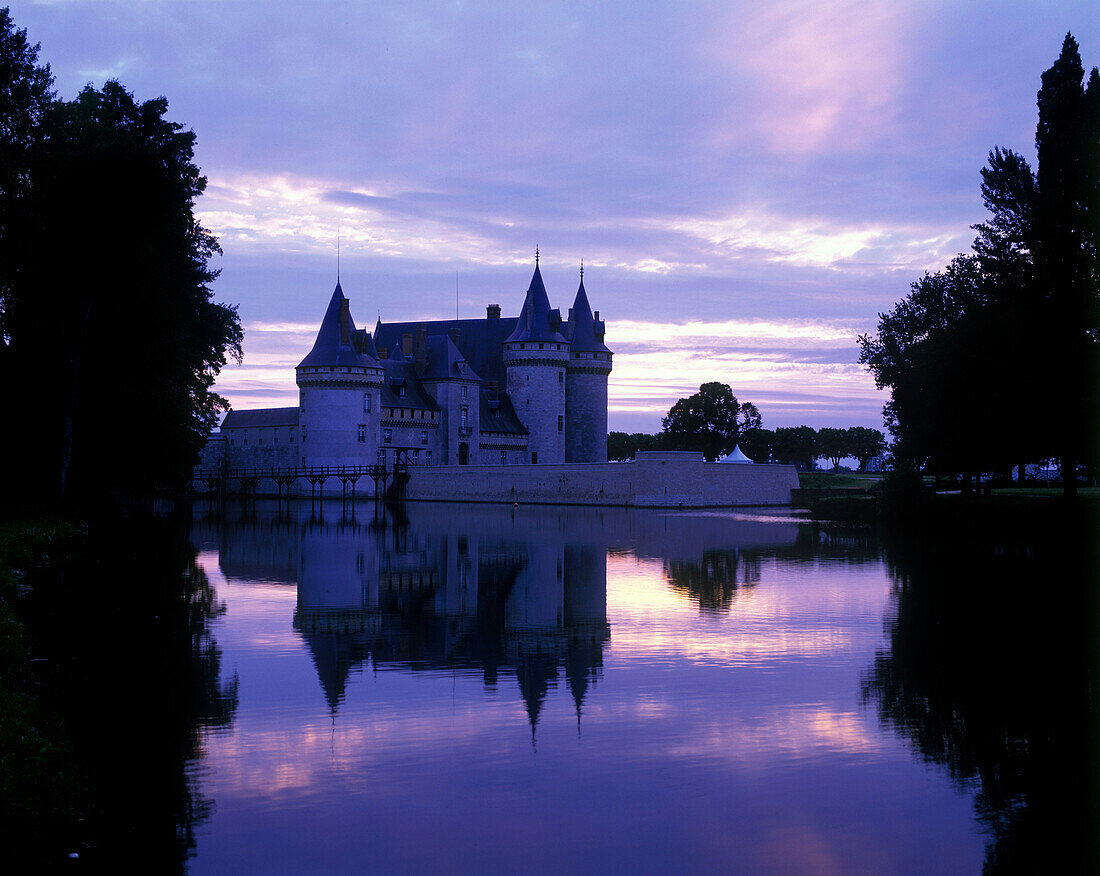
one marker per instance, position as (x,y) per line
(1013,325)
(711,421)
(108,316)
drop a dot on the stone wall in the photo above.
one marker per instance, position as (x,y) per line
(653,480)
(585,414)
(659,480)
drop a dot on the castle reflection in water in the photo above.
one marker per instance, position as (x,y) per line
(475,588)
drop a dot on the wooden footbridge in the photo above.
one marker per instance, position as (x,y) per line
(388,481)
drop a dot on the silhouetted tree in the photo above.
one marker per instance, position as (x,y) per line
(757,444)
(796,445)
(108,317)
(833,444)
(711,421)
(864,444)
(1019,319)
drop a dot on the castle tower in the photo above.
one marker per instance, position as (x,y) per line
(535,358)
(586,384)
(339,388)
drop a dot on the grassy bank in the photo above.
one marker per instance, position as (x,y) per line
(1004,506)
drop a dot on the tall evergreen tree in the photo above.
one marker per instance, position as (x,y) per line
(1018,320)
(1065,248)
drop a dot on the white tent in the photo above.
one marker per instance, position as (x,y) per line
(736,456)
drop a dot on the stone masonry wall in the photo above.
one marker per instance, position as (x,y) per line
(585,417)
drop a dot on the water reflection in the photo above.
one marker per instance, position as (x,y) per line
(125,630)
(723,679)
(520,592)
(987,675)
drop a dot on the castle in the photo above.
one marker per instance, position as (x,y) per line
(530,389)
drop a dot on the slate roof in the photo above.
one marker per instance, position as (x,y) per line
(399,372)
(481,341)
(583,335)
(328,350)
(534,319)
(446,360)
(500,417)
(259,417)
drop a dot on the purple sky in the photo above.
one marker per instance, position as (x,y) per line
(748,184)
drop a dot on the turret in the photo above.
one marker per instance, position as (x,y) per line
(339,385)
(536,356)
(586,383)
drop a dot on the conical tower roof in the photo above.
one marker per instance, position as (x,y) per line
(534,318)
(585,339)
(335,345)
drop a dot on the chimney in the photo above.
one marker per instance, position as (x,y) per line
(407,344)
(420,347)
(570,315)
(596,316)
(492,311)
(345,322)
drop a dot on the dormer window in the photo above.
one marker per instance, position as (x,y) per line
(402,391)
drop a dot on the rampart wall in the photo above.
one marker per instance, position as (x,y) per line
(653,480)
(657,480)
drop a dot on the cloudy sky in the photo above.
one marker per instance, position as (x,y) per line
(749,184)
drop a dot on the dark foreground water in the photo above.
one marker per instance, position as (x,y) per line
(452,688)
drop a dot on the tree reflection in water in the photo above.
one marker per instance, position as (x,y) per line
(988,674)
(137,675)
(714,581)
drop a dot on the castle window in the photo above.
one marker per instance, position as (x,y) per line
(291,436)
(561,377)
(541,346)
(561,423)
(465,392)
(245,442)
(366,402)
(424,436)
(534,457)
(260,440)
(465,417)
(427,457)
(231,441)
(523,346)
(416,457)
(382,456)
(362,434)
(503,457)
(303,434)
(401,391)
(387,436)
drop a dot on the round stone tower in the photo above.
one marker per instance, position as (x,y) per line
(339,387)
(536,356)
(586,384)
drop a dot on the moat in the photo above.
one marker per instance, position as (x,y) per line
(482,688)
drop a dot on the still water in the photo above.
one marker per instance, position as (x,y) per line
(486,689)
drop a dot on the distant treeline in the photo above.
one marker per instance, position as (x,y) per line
(801,446)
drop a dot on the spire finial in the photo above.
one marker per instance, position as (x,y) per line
(582,270)
(536,255)
(337,254)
